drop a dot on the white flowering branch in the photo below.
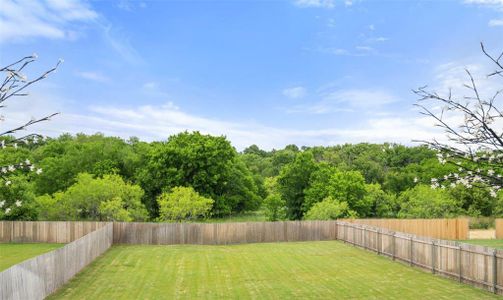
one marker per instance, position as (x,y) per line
(475,145)
(14,85)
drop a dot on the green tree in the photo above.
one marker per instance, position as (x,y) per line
(384,205)
(274,206)
(207,163)
(329,209)
(183,203)
(65,157)
(95,199)
(17,200)
(424,202)
(293,180)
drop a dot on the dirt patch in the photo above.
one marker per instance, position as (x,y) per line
(482,234)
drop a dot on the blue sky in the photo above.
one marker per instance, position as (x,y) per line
(271,73)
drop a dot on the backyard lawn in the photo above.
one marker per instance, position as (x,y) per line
(311,270)
(11,253)
(490,243)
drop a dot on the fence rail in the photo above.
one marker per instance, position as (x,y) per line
(45,231)
(476,265)
(499,228)
(223,233)
(450,229)
(38,277)
(35,278)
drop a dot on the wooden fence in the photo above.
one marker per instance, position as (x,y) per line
(38,277)
(35,278)
(45,232)
(223,233)
(476,265)
(499,228)
(449,229)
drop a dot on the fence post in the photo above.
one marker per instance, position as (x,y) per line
(393,245)
(411,251)
(459,264)
(336,230)
(364,238)
(378,241)
(433,257)
(495,271)
(354,235)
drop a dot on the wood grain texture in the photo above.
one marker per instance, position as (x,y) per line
(472,264)
(499,228)
(451,229)
(223,233)
(45,231)
(40,276)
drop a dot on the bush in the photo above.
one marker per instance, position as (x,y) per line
(107,198)
(275,207)
(183,203)
(329,209)
(424,202)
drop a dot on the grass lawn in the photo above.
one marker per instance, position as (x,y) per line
(12,253)
(308,270)
(490,243)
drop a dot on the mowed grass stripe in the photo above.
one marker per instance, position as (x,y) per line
(308,270)
(13,253)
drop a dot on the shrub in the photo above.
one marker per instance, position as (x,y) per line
(329,209)
(183,203)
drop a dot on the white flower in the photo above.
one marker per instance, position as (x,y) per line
(7,183)
(490,172)
(11,168)
(493,193)
(2,203)
(32,168)
(39,171)
(416,180)
(7,210)
(18,203)
(27,161)
(453,185)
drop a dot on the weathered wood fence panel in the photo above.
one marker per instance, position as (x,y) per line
(450,229)
(45,232)
(38,277)
(499,228)
(223,233)
(476,265)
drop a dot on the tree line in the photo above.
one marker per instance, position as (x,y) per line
(192,176)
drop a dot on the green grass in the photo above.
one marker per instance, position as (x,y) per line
(309,270)
(490,243)
(13,253)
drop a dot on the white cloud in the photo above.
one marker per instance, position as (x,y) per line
(50,19)
(377,39)
(316,3)
(158,122)
(94,76)
(295,92)
(356,98)
(492,4)
(496,22)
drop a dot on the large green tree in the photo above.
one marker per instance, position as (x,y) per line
(293,180)
(207,163)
